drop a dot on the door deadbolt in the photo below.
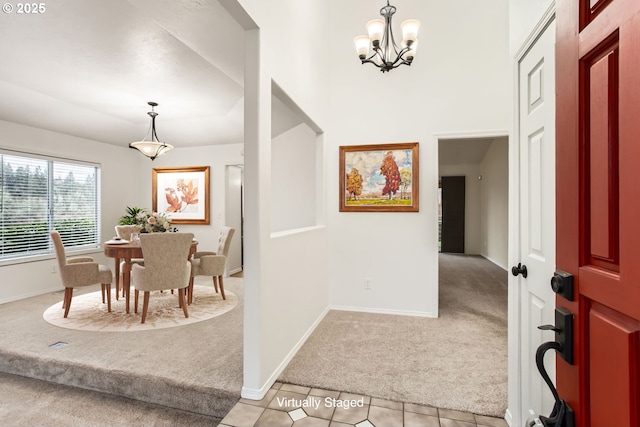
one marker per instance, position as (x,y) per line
(562,284)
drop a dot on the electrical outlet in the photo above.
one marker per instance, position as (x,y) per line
(53,269)
(367,284)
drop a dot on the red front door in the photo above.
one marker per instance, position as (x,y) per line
(598,205)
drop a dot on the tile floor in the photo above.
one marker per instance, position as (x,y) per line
(287,405)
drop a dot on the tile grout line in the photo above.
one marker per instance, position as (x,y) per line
(308,394)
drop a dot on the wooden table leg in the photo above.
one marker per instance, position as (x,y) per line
(117,268)
(126,280)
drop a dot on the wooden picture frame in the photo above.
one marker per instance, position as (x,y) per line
(379,178)
(182,193)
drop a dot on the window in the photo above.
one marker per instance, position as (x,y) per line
(39,194)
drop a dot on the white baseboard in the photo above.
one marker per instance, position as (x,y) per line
(508,417)
(234,271)
(258,394)
(504,267)
(384,311)
(32,294)
(254,394)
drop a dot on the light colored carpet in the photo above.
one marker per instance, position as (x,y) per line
(27,402)
(458,361)
(88,313)
(195,367)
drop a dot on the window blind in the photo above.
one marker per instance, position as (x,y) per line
(40,194)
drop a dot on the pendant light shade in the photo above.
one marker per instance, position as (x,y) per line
(151,148)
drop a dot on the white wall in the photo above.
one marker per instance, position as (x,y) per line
(523,16)
(283,301)
(123,182)
(494,205)
(459,82)
(472,231)
(293,179)
(293,36)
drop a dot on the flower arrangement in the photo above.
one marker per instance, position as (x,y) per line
(149,222)
(153,222)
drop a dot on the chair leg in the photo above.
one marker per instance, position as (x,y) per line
(108,285)
(221,288)
(190,294)
(215,283)
(184,305)
(102,291)
(145,305)
(68,294)
(135,304)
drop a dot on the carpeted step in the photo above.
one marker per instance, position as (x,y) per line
(152,389)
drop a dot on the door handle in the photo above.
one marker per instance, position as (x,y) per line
(519,269)
(562,414)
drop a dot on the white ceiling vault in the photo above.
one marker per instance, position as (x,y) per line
(88,68)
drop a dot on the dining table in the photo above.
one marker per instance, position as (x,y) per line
(124,250)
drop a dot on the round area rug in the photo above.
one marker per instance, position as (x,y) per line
(88,313)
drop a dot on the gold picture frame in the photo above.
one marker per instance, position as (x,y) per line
(380,178)
(182,193)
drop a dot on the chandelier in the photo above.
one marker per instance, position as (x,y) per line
(152,148)
(386,54)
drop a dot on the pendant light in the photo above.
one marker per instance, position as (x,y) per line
(152,148)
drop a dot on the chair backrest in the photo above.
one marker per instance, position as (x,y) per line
(166,262)
(124,231)
(224,241)
(59,247)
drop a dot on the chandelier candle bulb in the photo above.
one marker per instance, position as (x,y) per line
(375,28)
(410,29)
(362,46)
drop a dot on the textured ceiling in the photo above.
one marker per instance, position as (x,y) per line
(88,67)
(463,151)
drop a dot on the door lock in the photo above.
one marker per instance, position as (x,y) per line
(562,284)
(519,269)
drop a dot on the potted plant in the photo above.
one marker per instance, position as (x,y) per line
(130,217)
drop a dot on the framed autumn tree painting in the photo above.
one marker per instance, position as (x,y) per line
(182,193)
(379,178)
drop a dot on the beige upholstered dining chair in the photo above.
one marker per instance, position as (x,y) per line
(166,266)
(124,232)
(212,263)
(80,271)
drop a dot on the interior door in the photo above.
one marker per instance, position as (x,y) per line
(453,214)
(598,201)
(537,216)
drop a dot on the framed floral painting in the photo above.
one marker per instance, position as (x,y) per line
(182,193)
(379,178)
